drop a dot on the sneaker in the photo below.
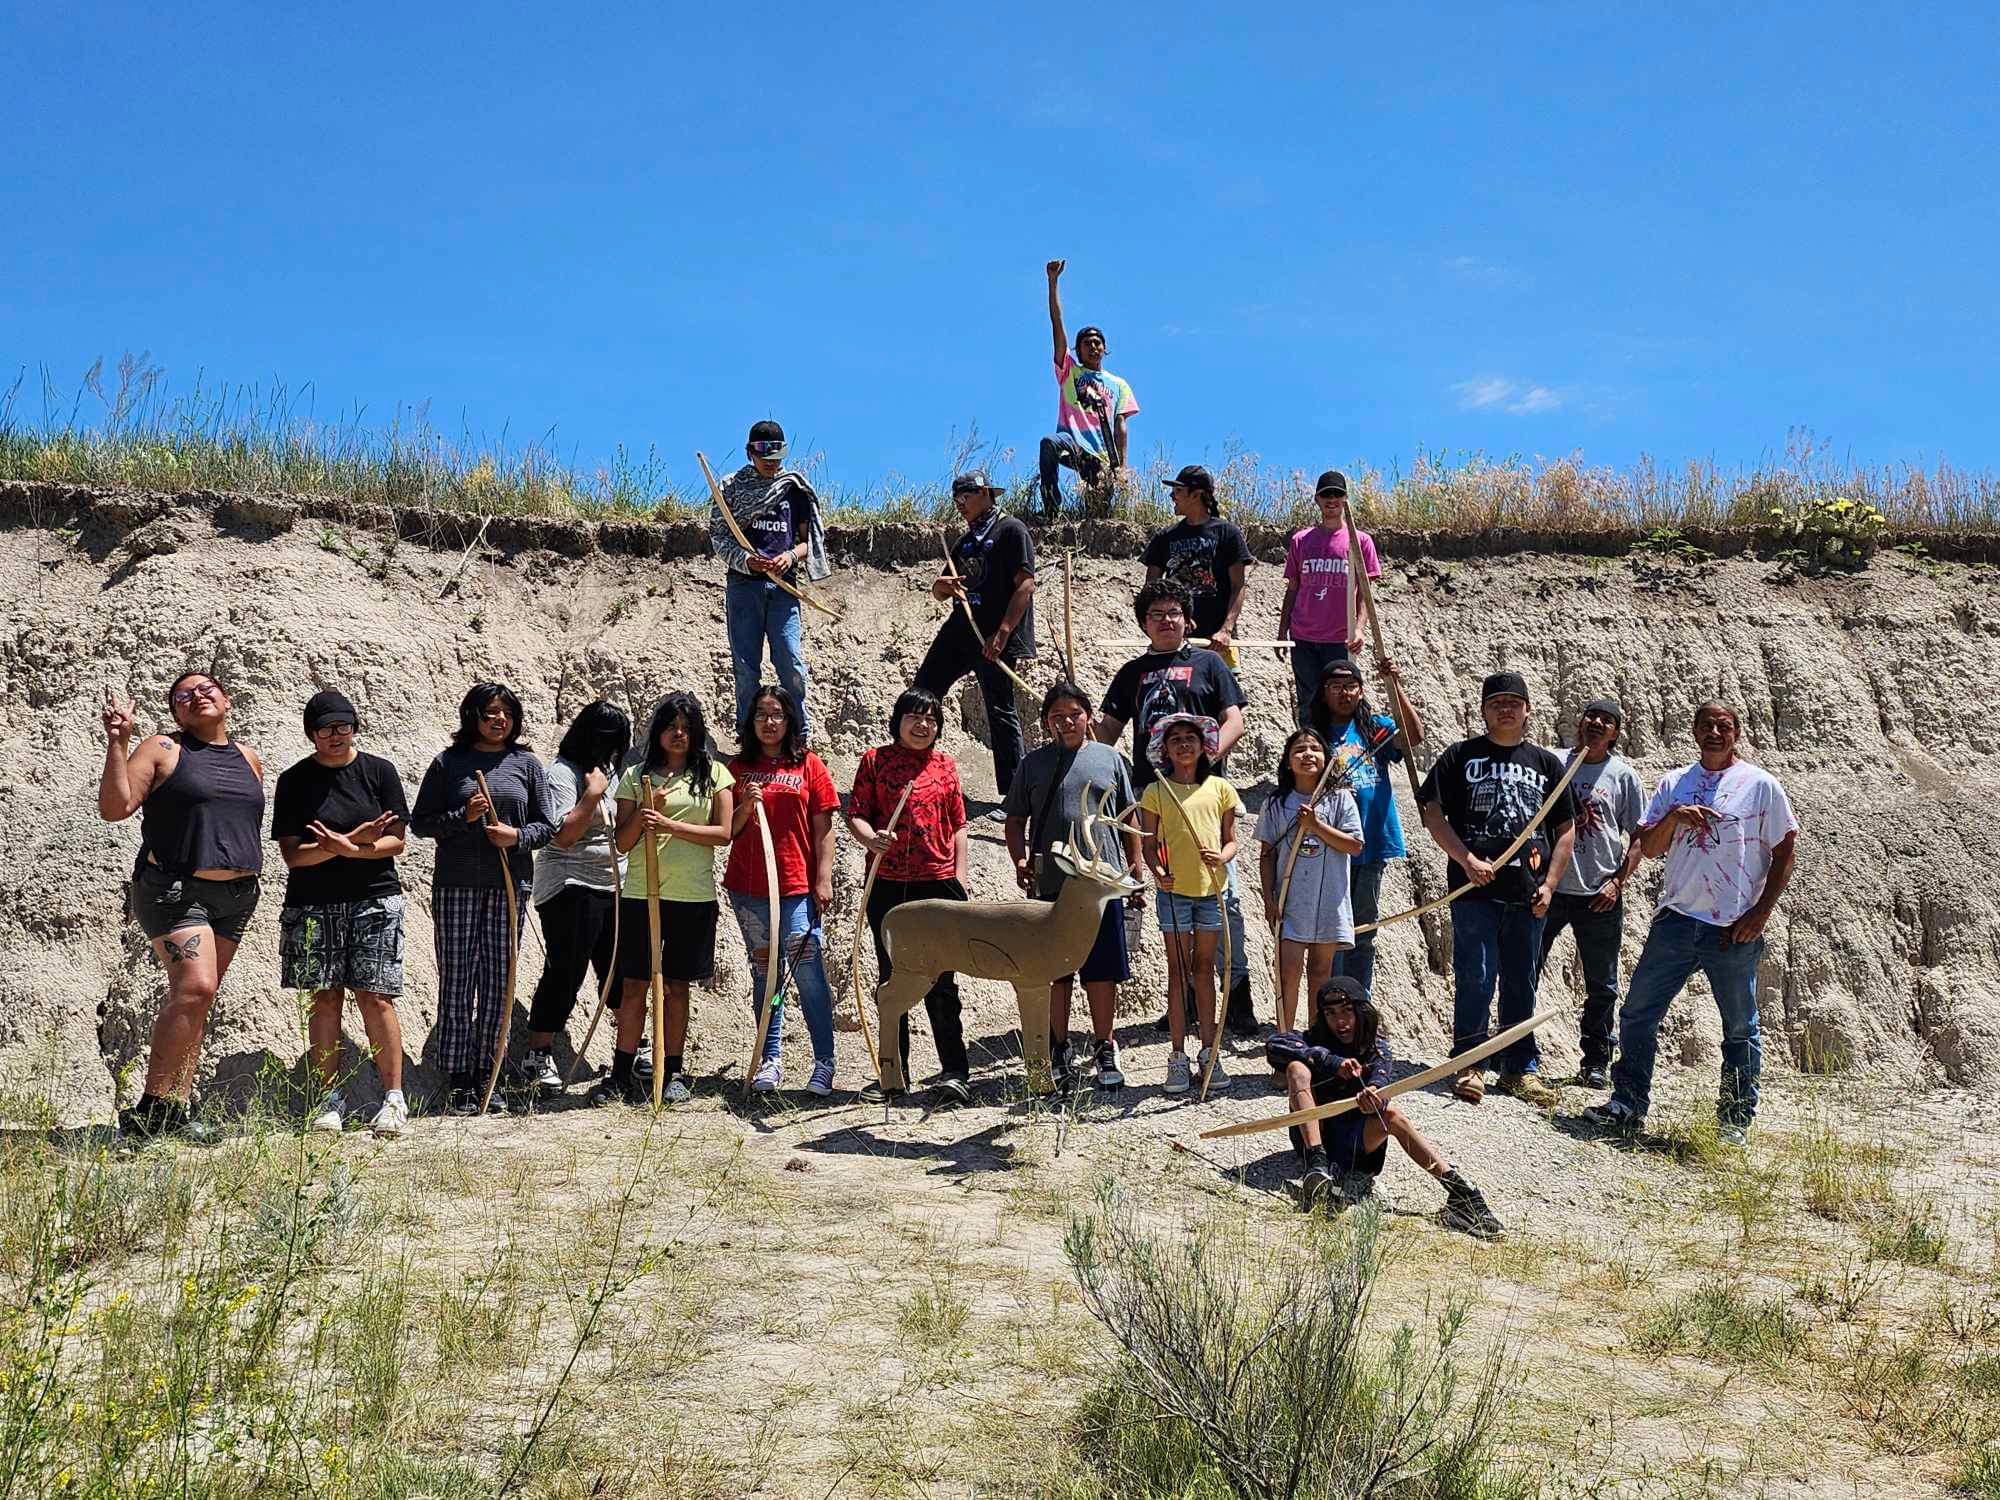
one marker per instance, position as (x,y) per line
(464,1100)
(821,1082)
(765,1080)
(952,1088)
(1317,1182)
(608,1090)
(153,1119)
(1730,1134)
(642,1062)
(872,1092)
(676,1091)
(390,1119)
(1209,1066)
(1465,1209)
(1591,1076)
(1177,1074)
(1469,1085)
(1062,1063)
(1615,1114)
(996,815)
(332,1116)
(1356,1187)
(1109,1074)
(538,1070)
(1529,1089)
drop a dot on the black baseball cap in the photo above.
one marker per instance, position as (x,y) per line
(327,708)
(1498,683)
(1345,666)
(1608,707)
(1332,482)
(1339,989)
(766,431)
(1194,477)
(974,479)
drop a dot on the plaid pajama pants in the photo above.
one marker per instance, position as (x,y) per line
(470,926)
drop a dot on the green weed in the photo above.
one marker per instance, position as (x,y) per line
(1722,1323)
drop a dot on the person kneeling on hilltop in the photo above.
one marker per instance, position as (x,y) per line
(1341,1056)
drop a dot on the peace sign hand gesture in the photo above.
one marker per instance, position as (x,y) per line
(119,721)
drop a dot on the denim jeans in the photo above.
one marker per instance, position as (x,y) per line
(1676,946)
(1364,889)
(799,958)
(1063,451)
(1239,946)
(759,611)
(1310,659)
(951,656)
(1494,943)
(1598,936)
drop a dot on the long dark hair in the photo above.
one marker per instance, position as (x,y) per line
(686,708)
(794,744)
(1203,766)
(597,738)
(474,702)
(921,702)
(1287,782)
(1367,1019)
(1322,716)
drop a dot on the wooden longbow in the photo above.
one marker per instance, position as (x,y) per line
(729,520)
(513,947)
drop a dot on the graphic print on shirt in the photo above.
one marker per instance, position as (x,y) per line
(972,559)
(1191,566)
(1163,691)
(1705,787)
(771,529)
(1501,799)
(1594,813)
(1322,575)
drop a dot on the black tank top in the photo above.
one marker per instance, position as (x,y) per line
(207,815)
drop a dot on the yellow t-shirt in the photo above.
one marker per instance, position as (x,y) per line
(1204,806)
(687,870)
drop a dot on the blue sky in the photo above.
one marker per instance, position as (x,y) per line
(1326,234)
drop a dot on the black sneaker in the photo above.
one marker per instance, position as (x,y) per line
(1317,1183)
(1616,1115)
(1062,1063)
(464,1097)
(872,1092)
(156,1119)
(1592,1076)
(1465,1209)
(1109,1074)
(631,1091)
(951,1089)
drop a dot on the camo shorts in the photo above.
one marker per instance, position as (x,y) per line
(352,945)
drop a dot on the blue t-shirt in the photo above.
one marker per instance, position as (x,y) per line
(770,531)
(1375,791)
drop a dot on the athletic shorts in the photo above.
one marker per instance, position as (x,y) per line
(163,903)
(347,945)
(687,940)
(1108,961)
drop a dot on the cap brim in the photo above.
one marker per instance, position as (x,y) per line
(1337,494)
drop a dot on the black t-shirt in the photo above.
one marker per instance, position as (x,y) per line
(1148,688)
(1198,558)
(1488,793)
(343,798)
(989,557)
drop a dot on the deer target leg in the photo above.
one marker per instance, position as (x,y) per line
(896,998)
(1034,1002)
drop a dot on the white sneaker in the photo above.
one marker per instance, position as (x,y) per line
(1177,1074)
(642,1062)
(675,1092)
(821,1082)
(332,1116)
(538,1068)
(390,1119)
(1217,1075)
(767,1077)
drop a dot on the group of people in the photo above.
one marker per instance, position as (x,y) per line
(595,835)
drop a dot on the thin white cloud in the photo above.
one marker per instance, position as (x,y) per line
(1498,393)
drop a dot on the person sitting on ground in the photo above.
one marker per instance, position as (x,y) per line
(924,858)
(1046,806)
(1175,677)
(338,817)
(1730,841)
(576,881)
(1318,918)
(1313,613)
(1094,409)
(1476,800)
(1342,715)
(468,898)
(1590,897)
(200,796)
(779,513)
(1206,558)
(692,807)
(776,772)
(1189,848)
(1341,1056)
(995,560)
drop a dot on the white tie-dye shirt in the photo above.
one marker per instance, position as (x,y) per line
(1716,875)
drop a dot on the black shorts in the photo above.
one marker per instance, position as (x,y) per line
(687,940)
(163,903)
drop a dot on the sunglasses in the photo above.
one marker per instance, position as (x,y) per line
(767,447)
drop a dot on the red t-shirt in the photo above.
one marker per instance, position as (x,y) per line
(793,794)
(931,818)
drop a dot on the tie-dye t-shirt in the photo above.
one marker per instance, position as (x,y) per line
(1089,400)
(1716,875)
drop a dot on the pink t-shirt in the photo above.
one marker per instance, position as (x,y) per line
(1317,563)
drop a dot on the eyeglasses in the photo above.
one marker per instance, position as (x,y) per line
(772,716)
(767,447)
(334,729)
(187,695)
(1163,616)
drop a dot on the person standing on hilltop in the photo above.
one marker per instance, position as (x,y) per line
(1476,800)
(1730,841)
(195,880)
(1590,897)
(779,512)
(995,563)
(1093,410)
(1206,557)
(337,818)
(1313,613)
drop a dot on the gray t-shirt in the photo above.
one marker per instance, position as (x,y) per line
(587,862)
(1318,907)
(1609,805)
(1048,791)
